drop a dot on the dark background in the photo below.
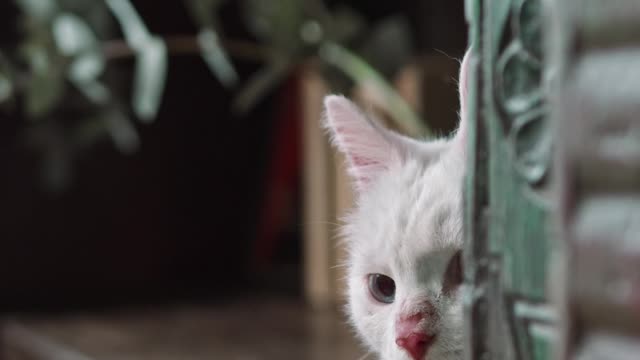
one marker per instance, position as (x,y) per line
(179,219)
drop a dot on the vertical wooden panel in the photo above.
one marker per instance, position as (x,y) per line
(318,194)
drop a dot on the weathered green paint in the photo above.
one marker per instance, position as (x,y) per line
(571,69)
(507,209)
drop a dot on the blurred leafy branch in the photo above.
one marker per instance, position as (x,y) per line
(57,76)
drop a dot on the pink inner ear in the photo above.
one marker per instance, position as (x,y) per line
(367,149)
(365,169)
(357,160)
(370,149)
(360,161)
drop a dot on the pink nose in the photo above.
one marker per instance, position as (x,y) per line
(415,344)
(411,338)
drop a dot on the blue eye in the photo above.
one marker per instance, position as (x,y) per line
(382,288)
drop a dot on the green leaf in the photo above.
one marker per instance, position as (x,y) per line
(361,72)
(276,21)
(213,54)
(41,10)
(123,133)
(72,34)
(203,11)
(74,37)
(260,84)
(133,27)
(112,122)
(387,47)
(87,67)
(151,60)
(150,78)
(216,57)
(83,73)
(6,88)
(344,25)
(6,80)
(311,32)
(46,86)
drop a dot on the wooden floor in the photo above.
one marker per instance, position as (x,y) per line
(251,330)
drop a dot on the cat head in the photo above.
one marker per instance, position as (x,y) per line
(404,234)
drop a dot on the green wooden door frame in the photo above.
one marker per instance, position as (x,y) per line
(567,70)
(507,205)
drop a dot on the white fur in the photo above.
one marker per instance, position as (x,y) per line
(406,224)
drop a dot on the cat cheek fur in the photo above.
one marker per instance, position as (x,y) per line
(367,317)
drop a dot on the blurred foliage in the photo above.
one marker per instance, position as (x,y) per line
(56,75)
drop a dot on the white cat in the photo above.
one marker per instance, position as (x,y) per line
(404,234)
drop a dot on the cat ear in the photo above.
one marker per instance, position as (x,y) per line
(461,134)
(367,146)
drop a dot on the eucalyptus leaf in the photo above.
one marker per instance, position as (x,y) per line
(387,47)
(213,54)
(83,73)
(216,57)
(203,11)
(74,38)
(110,122)
(260,84)
(150,77)
(311,32)
(151,59)
(89,131)
(124,134)
(361,72)
(6,80)
(46,86)
(41,10)
(73,35)
(133,27)
(87,67)
(6,88)
(277,21)
(344,25)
